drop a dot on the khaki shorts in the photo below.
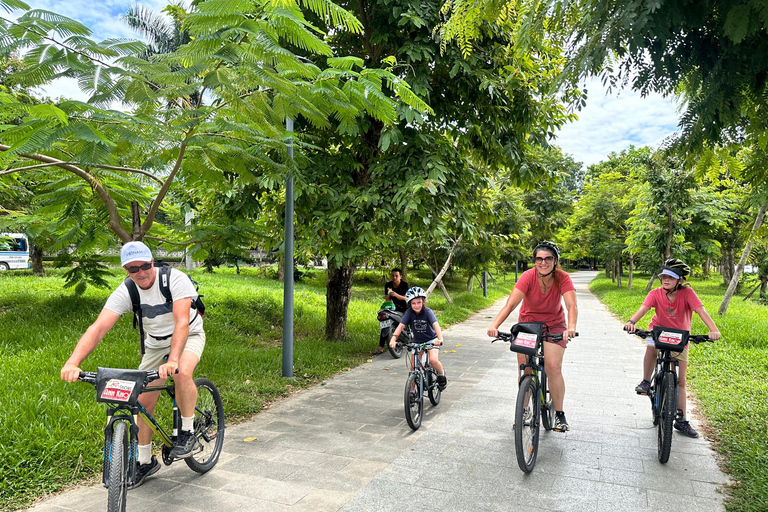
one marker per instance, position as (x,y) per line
(154,357)
(680,356)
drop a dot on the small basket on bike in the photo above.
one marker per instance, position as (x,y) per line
(667,338)
(114,385)
(528,337)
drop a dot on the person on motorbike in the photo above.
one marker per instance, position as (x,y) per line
(394,290)
(425,329)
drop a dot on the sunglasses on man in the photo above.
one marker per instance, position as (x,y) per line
(133,270)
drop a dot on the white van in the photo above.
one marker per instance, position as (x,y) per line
(14,251)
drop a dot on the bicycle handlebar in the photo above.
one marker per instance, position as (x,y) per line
(90,377)
(508,337)
(419,346)
(693,338)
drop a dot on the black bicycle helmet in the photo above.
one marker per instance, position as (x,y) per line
(678,267)
(548,246)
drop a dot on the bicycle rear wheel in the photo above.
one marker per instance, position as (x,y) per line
(527,425)
(666,416)
(434,390)
(413,401)
(547,408)
(117,480)
(209,427)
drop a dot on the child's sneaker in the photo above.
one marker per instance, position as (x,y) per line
(441,382)
(644,388)
(685,428)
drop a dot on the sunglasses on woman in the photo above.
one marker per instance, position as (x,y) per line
(548,259)
(133,270)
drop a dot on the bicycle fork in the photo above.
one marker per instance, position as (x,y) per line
(129,416)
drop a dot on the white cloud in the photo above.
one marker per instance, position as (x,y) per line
(610,123)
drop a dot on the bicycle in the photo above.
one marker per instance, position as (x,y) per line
(534,403)
(421,377)
(664,380)
(120,390)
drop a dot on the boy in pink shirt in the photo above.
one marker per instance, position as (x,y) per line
(673,304)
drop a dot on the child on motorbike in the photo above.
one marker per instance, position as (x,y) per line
(424,327)
(673,304)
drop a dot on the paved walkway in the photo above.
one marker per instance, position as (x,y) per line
(345,445)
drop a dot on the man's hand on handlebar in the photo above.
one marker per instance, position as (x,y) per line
(168,368)
(70,372)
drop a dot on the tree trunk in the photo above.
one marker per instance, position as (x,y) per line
(137,233)
(753,291)
(650,283)
(631,270)
(613,270)
(403,263)
(607,268)
(763,287)
(36,255)
(281,269)
(439,277)
(707,266)
(619,271)
(742,261)
(338,293)
(726,264)
(470,282)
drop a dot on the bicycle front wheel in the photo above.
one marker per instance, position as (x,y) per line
(666,416)
(209,427)
(117,481)
(527,425)
(413,401)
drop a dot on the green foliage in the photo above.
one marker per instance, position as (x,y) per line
(88,271)
(52,432)
(729,379)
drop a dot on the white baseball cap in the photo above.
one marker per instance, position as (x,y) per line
(134,251)
(667,272)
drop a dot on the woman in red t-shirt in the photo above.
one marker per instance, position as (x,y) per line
(673,304)
(540,289)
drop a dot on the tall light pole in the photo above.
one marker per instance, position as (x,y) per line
(288,267)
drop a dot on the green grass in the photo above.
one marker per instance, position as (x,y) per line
(51,432)
(729,379)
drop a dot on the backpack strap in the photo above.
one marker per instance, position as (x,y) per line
(164,274)
(133,291)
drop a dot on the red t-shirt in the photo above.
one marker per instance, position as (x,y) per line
(677,314)
(547,307)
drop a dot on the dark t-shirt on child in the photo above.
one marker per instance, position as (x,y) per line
(421,324)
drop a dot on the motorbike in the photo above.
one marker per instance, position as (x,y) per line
(389,319)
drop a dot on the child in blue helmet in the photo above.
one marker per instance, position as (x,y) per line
(425,329)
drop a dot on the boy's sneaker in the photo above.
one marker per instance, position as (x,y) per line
(441,382)
(561,425)
(186,445)
(685,428)
(143,471)
(644,388)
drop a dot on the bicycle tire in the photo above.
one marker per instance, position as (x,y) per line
(209,427)
(117,480)
(527,429)
(434,391)
(666,417)
(413,401)
(547,407)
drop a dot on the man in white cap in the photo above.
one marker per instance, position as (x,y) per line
(173,342)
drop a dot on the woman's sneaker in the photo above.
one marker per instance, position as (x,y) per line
(143,471)
(561,425)
(685,428)
(644,388)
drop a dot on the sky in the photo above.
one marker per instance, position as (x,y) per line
(609,122)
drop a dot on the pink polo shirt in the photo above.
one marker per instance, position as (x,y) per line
(544,307)
(676,314)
